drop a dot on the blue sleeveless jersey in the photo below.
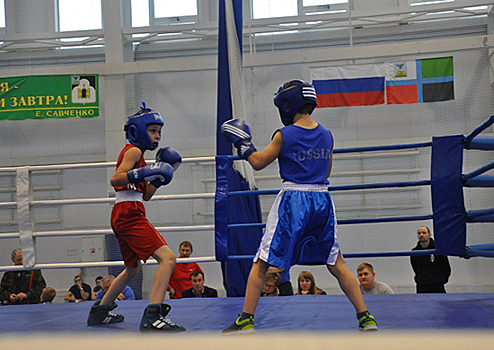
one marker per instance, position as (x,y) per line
(305,154)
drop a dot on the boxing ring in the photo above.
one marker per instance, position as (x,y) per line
(447,182)
(470,312)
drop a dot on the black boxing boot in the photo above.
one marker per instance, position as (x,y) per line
(101,314)
(154,319)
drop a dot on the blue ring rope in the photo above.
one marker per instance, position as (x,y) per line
(383,148)
(481,212)
(488,122)
(480,181)
(357,255)
(339,188)
(477,172)
(343,222)
(370,148)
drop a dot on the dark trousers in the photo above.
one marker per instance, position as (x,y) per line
(430,288)
(285,288)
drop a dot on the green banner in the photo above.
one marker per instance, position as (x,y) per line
(49,96)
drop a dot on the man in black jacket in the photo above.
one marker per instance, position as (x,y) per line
(199,290)
(21,287)
(431,271)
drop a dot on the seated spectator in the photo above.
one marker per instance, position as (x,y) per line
(21,287)
(285,286)
(97,287)
(368,284)
(126,294)
(199,290)
(180,278)
(47,295)
(80,291)
(307,284)
(271,283)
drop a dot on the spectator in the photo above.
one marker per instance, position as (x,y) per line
(180,279)
(21,287)
(271,284)
(47,295)
(97,287)
(126,294)
(80,291)
(199,290)
(368,284)
(307,284)
(431,271)
(285,286)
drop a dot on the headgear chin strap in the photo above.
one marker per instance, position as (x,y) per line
(136,127)
(291,97)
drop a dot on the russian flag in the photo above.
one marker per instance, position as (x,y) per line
(349,86)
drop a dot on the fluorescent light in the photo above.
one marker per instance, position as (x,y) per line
(324,12)
(439,13)
(430,2)
(475,8)
(277,33)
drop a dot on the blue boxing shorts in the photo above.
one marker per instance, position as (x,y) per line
(301,228)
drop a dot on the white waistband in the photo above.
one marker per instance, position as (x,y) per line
(292,186)
(128,195)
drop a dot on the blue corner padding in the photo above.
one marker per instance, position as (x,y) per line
(447,195)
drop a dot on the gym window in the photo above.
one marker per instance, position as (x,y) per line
(79,15)
(284,8)
(2,13)
(160,12)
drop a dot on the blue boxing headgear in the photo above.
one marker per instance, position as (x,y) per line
(291,97)
(136,127)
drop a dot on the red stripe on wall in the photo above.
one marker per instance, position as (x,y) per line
(367,98)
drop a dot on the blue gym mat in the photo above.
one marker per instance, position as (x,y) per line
(314,312)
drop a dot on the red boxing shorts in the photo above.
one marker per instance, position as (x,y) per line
(137,237)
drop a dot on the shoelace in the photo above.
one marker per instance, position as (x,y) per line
(167,321)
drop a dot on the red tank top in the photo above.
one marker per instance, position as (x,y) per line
(140,187)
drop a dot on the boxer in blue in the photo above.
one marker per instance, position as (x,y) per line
(301,225)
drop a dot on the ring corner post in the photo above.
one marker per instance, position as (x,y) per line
(223,164)
(25,215)
(447,195)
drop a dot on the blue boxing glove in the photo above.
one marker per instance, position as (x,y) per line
(159,174)
(238,133)
(170,156)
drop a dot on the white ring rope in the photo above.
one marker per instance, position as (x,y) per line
(34,203)
(112,200)
(107,231)
(99,264)
(98,165)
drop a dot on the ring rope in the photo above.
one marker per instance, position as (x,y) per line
(112,200)
(99,264)
(339,188)
(477,172)
(382,147)
(358,255)
(97,165)
(345,221)
(488,122)
(107,231)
